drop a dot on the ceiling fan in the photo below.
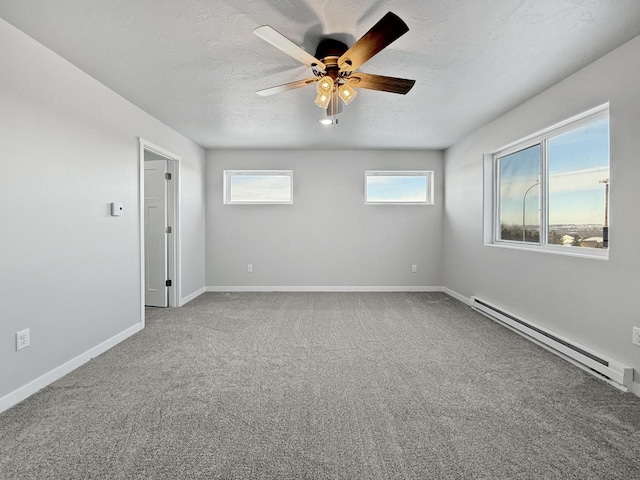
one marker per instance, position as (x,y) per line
(335,74)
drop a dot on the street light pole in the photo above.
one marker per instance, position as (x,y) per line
(524,200)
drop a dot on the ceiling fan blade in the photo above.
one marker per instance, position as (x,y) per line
(281,42)
(381,83)
(287,86)
(382,34)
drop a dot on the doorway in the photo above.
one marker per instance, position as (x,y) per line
(159,222)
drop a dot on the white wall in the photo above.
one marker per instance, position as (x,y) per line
(328,237)
(68,270)
(593,302)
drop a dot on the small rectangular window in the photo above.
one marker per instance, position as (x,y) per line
(551,191)
(258,187)
(400,188)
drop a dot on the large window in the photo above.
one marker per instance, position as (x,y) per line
(404,187)
(552,190)
(258,186)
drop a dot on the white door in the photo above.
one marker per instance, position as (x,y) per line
(155,233)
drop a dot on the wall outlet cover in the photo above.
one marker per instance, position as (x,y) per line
(23,339)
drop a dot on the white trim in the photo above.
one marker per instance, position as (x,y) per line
(173,196)
(635,388)
(141,227)
(48,378)
(457,296)
(488,199)
(173,212)
(192,296)
(323,288)
(152,147)
(581,118)
(593,254)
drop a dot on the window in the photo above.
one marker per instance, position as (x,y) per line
(519,195)
(258,186)
(551,192)
(407,188)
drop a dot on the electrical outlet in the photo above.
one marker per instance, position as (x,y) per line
(636,336)
(23,339)
(414,268)
(250,268)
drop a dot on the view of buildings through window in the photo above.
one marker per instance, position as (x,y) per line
(557,188)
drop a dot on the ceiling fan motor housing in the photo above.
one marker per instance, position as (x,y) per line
(328,47)
(330,50)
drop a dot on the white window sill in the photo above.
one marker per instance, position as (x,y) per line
(567,253)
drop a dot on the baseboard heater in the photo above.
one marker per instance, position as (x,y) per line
(619,375)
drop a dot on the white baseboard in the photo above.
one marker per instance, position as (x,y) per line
(39,383)
(330,288)
(457,296)
(190,297)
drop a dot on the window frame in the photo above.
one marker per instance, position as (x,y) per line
(428,174)
(541,138)
(226,188)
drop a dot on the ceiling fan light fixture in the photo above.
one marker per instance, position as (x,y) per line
(323,99)
(347,93)
(325,85)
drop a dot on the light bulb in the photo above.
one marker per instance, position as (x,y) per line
(347,93)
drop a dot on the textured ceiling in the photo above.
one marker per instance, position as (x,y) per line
(194,64)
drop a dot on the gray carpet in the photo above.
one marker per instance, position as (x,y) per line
(323,386)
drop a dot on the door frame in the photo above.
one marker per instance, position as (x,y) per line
(173,214)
